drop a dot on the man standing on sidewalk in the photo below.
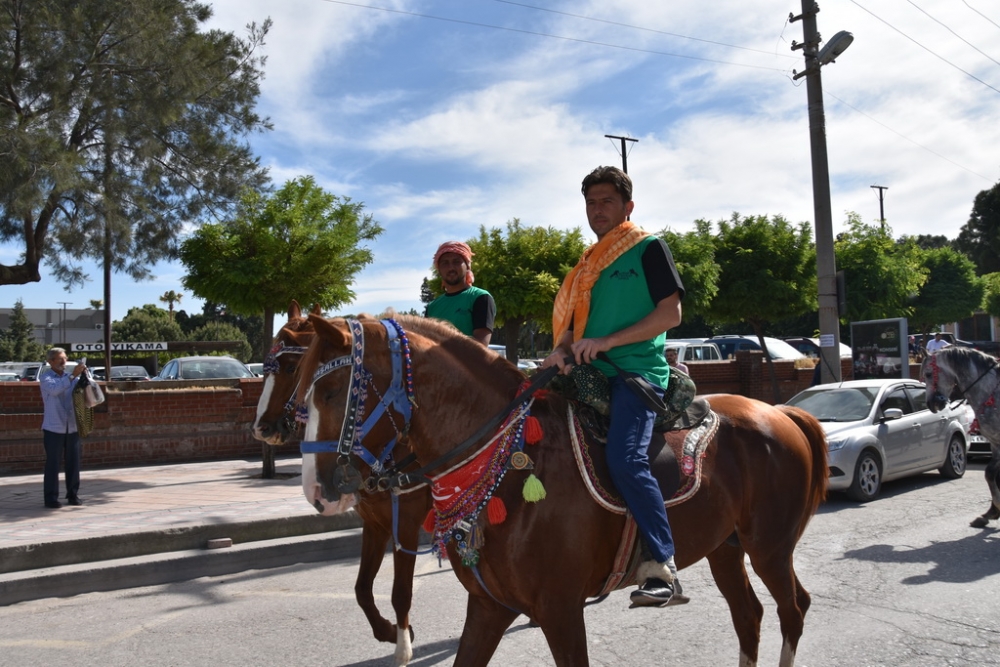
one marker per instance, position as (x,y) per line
(470,309)
(59,428)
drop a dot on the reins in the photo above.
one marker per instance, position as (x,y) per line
(419,475)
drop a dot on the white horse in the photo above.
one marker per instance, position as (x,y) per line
(962,372)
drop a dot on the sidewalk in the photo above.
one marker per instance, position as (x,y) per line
(154,524)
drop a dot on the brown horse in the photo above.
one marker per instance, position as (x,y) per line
(962,372)
(274,425)
(763,477)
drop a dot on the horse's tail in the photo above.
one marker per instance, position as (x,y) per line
(814,433)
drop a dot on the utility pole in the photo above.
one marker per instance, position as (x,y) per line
(881,209)
(624,151)
(826,264)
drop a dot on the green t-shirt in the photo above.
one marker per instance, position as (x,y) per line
(619,299)
(458,309)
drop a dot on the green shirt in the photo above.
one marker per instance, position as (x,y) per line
(619,299)
(458,308)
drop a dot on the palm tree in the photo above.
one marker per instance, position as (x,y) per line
(96,304)
(170,298)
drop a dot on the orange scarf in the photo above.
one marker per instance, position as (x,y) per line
(573,301)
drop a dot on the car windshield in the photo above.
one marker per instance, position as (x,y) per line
(839,404)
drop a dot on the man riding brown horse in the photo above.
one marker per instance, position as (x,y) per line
(622,297)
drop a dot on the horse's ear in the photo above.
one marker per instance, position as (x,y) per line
(317,310)
(325,329)
(294,311)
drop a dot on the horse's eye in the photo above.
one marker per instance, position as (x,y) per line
(290,368)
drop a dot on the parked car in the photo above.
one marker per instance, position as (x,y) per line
(810,347)
(204,368)
(776,348)
(978,444)
(688,351)
(257,368)
(524,365)
(30,373)
(121,373)
(6,376)
(878,430)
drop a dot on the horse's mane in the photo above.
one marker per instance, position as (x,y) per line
(958,356)
(460,346)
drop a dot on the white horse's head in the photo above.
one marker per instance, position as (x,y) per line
(955,373)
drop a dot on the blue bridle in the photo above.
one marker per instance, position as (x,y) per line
(398,396)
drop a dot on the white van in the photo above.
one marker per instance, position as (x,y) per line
(694,350)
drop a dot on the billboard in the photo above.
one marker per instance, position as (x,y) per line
(879,349)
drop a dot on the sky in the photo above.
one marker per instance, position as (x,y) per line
(443,116)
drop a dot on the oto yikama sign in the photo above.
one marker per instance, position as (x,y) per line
(119,347)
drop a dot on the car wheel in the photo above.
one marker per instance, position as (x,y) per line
(954,463)
(867,478)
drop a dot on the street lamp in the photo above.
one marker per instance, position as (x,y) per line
(62,321)
(826,265)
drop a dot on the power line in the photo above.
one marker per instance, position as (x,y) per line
(543,34)
(973,76)
(903,136)
(636,27)
(980,13)
(952,31)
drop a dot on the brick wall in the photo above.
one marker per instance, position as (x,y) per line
(183,421)
(139,423)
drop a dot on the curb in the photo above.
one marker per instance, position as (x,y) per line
(112,547)
(184,565)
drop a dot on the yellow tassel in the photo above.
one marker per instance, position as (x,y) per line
(533,490)
(496,511)
(532,430)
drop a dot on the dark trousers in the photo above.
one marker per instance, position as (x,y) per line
(59,446)
(628,442)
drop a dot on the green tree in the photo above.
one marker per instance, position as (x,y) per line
(147,324)
(120,122)
(979,238)
(881,275)
(767,273)
(17,342)
(991,294)
(523,270)
(952,291)
(224,331)
(252,326)
(694,256)
(301,243)
(170,298)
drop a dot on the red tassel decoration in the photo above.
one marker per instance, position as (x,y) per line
(496,511)
(532,430)
(430,522)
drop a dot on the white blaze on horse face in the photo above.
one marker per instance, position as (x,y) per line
(311,486)
(265,400)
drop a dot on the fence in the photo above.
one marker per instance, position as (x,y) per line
(148,423)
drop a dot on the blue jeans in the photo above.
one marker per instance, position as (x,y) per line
(59,446)
(628,442)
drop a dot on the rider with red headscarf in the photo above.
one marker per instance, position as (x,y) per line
(471,309)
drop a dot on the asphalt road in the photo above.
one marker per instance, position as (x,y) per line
(902,581)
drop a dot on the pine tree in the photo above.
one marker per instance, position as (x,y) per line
(17,343)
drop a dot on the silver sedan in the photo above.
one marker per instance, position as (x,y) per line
(880,430)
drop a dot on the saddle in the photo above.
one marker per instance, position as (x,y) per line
(676,456)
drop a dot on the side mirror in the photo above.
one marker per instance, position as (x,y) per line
(892,414)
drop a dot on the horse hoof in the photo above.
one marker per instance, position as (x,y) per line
(979,522)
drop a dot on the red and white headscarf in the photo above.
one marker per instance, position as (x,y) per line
(461,249)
